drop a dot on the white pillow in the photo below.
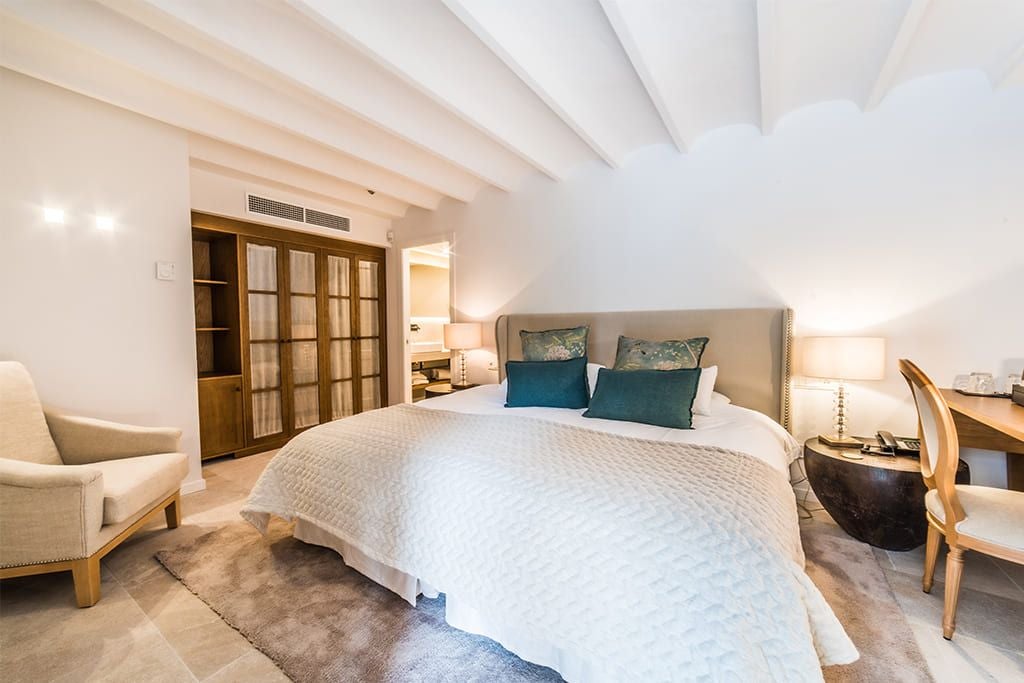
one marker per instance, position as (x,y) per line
(592,369)
(705,389)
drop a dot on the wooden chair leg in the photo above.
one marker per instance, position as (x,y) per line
(931,556)
(173,512)
(954,570)
(86,573)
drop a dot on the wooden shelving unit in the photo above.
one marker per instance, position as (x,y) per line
(290,332)
(218,342)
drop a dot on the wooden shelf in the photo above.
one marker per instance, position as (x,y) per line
(216,375)
(213,329)
(209,282)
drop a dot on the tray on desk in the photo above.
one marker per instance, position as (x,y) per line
(974,393)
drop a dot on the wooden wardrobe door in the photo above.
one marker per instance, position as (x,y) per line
(263,340)
(369,352)
(340,374)
(303,375)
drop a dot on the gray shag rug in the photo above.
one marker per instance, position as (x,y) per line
(319,620)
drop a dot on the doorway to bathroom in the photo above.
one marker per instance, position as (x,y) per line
(428,276)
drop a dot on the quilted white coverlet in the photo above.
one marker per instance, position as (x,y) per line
(653,561)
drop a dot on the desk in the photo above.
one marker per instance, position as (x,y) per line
(994,424)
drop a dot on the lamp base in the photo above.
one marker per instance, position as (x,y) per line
(836,441)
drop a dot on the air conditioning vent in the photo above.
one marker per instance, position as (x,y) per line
(327,220)
(272,207)
(299,214)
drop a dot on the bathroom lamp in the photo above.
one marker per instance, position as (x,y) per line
(842,359)
(459,337)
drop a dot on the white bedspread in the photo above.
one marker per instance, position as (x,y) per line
(649,560)
(728,426)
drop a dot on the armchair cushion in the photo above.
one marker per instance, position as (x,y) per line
(48,513)
(131,484)
(23,432)
(84,440)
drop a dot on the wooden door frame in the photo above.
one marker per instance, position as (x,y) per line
(404,311)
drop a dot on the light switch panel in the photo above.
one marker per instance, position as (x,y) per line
(164,270)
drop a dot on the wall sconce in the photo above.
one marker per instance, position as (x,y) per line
(53,215)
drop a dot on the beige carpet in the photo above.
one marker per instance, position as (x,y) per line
(321,621)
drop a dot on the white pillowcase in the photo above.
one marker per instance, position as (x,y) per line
(592,370)
(705,390)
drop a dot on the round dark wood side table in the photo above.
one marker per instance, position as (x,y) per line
(436,390)
(878,500)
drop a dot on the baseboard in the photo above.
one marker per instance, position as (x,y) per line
(193,486)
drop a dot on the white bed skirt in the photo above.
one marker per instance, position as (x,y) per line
(457,613)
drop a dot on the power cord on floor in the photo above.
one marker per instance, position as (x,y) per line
(804,511)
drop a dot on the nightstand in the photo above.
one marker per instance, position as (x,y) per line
(435,390)
(878,500)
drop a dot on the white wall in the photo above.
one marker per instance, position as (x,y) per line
(223,194)
(906,222)
(81,307)
(428,291)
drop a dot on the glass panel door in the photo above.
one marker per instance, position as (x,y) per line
(369,348)
(302,300)
(264,340)
(339,325)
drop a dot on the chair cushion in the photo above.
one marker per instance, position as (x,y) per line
(129,484)
(23,432)
(993,515)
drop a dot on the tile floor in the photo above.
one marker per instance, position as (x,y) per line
(148,627)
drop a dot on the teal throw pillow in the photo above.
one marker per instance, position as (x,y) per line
(547,384)
(656,397)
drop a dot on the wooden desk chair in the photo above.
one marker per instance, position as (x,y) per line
(981,518)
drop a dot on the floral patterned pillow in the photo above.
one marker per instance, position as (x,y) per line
(640,354)
(555,344)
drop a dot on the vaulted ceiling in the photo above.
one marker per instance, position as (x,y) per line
(424,99)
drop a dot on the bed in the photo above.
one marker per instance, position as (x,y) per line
(606,550)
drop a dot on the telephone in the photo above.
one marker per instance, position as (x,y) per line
(893,445)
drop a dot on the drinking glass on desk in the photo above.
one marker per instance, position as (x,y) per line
(961,382)
(981,383)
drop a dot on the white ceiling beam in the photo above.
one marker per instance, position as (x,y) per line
(567,53)
(403,37)
(631,45)
(231,160)
(912,19)
(467,17)
(41,55)
(117,37)
(287,44)
(768,67)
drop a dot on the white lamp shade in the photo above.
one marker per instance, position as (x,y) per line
(857,358)
(462,336)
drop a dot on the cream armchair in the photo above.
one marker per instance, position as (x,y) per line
(73,488)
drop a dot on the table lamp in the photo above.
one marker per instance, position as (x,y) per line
(459,337)
(841,359)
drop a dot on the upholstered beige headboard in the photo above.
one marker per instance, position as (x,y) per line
(750,346)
